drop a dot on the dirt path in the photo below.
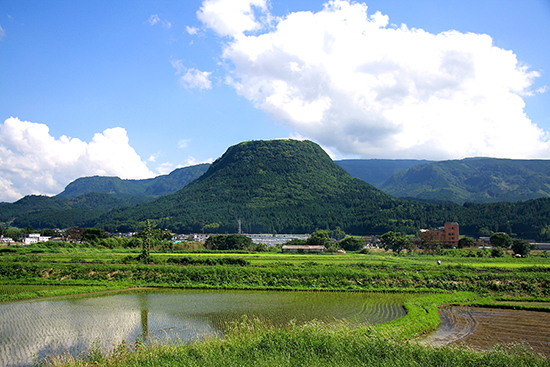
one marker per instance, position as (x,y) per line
(482,328)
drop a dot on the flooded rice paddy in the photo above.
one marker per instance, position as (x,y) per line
(33,330)
(483,328)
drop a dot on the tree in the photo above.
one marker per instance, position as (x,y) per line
(522,247)
(93,234)
(319,238)
(229,242)
(497,252)
(395,241)
(465,242)
(74,234)
(500,239)
(352,243)
(211,227)
(337,234)
(146,244)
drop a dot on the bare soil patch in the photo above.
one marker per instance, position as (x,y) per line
(483,328)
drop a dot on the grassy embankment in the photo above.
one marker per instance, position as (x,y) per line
(459,280)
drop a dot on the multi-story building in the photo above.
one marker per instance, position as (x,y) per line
(448,234)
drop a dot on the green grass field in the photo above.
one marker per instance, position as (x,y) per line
(502,282)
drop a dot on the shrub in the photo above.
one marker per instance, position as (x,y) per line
(352,243)
(497,252)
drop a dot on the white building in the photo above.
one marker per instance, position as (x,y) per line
(6,239)
(35,238)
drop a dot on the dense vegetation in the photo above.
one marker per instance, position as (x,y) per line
(74,264)
(55,268)
(480,180)
(282,186)
(85,199)
(250,343)
(377,171)
(154,187)
(287,186)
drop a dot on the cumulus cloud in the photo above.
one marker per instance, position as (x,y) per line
(194,78)
(34,162)
(231,17)
(353,82)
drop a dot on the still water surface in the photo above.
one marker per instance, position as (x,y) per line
(33,330)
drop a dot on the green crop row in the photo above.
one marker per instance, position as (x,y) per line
(533,282)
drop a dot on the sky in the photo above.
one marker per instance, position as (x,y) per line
(136,89)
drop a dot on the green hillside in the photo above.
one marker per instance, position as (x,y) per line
(85,199)
(271,186)
(377,171)
(283,186)
(153,187)
(479,180)
(287,186)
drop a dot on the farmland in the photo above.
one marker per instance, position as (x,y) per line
(460,279)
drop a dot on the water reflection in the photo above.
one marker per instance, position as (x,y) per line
(31,330)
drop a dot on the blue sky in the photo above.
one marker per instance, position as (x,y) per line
(137,89)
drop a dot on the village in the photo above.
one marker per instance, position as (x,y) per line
(447,236)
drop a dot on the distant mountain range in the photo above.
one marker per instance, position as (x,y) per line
(377,171)
(476,180)
(293,186)
(150,188)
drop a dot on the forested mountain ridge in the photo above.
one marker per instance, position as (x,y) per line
(84,199)
(287,186)
(153,187)
(276,187)
(377,171)
(480,180)
(271,186)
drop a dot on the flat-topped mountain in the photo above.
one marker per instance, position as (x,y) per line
(270,186)
(279,186)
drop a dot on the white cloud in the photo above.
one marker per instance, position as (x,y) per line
(153,157)
(165,168)
(355,83)
(231,17)
(194,78)
(178,65)
(153,19)
(34,162)
(191,30)
(183,143)
(2,33)
(192,161)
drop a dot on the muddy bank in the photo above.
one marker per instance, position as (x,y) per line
(483,328)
